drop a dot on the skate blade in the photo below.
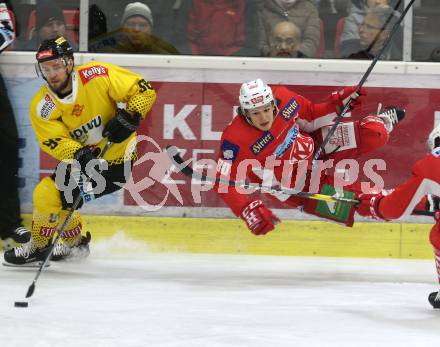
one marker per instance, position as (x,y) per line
(33,265)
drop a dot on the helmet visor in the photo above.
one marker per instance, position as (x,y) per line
(51,67)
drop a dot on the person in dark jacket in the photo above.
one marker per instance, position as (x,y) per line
(11,226)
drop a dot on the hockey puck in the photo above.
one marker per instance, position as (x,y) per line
(21,304)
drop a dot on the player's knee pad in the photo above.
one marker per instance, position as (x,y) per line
(373,133)
(44,227)
(46,196)
(47,207)
(48,214)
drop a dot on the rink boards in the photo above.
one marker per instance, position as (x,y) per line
(197,97)
(291,238)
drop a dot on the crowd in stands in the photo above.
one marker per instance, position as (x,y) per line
(354,29)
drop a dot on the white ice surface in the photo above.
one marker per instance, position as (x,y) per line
(135,298)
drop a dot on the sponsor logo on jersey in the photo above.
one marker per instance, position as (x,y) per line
(81,134)
(287,142)
(302,148)
(291,109)
(261,143)
(229,150)
(72,232)
(342,136)
(45,107)
(90,73)
(77,110)
(47,232)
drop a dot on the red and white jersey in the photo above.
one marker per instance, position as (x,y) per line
(287,140)
(425,179)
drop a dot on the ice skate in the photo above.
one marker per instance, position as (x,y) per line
(391,116)
(62,251)
(25,254)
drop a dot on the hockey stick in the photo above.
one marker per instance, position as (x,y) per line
(77,201)
(340,116)
(186,169)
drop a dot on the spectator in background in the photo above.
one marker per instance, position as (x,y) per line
(284,41)
(223,27)
(355,17)
(134,35)
(301,12)
(10,218)
(373,32)
(138,17)
(49,24)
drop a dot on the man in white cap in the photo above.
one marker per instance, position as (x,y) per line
(138,17)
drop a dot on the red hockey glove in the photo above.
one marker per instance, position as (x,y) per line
(259,219)
(369,205)
(341,97)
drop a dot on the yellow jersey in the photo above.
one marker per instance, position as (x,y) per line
(65,125)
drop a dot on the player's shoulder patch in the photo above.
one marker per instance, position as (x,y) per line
(87,73)
(436,152)
(229,150)
(46,106)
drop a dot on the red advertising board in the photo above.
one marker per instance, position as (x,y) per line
(192,116)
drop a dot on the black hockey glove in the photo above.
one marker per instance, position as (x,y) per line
(84,155)
(121,127)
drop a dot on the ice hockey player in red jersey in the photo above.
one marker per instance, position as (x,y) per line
(421,192)
(283,125)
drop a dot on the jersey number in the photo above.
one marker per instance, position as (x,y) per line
(144,86)
(52,143)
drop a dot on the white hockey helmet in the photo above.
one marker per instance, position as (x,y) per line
(254,94)
(433,136)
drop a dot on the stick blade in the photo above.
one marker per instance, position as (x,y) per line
(31,290)
(182,166)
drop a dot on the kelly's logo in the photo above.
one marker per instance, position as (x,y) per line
(77,110)
(261,143)
(290,109)
(45,54)
(91,72)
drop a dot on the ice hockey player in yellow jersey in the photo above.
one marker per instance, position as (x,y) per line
(74,114)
